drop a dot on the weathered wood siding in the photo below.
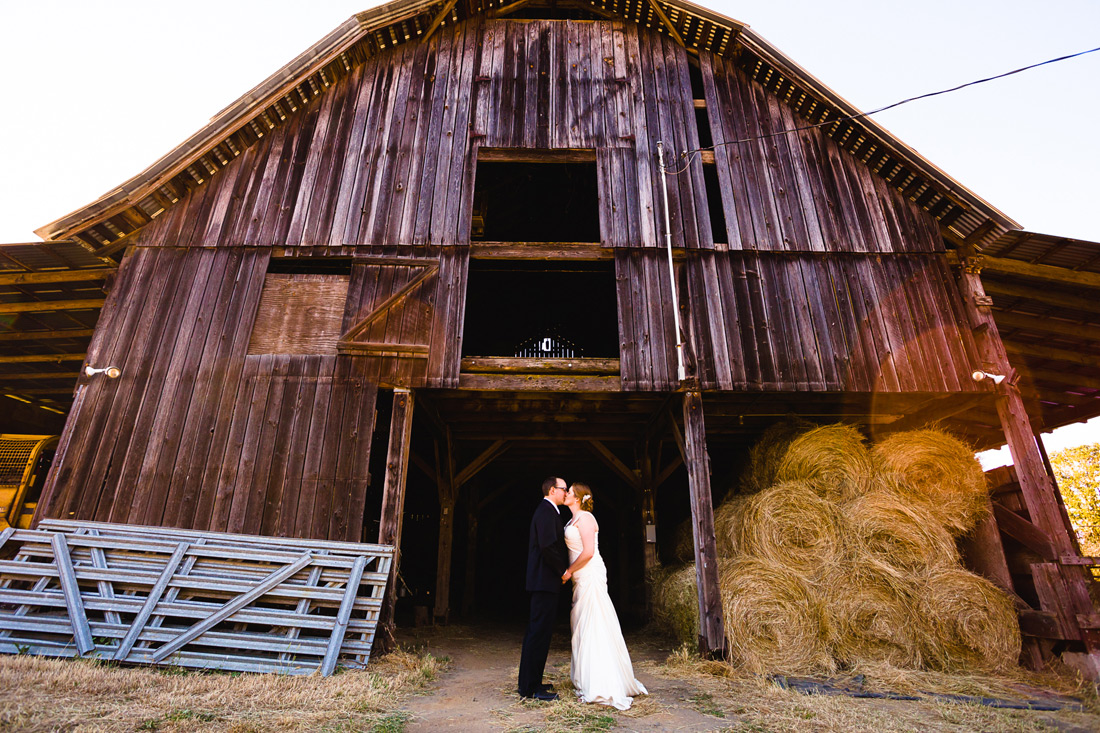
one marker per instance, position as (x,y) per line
(195,433)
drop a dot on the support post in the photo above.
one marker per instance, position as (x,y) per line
(469,588)
(444,473)
(1036,485)
(393,506)
(649,505)
(712,634)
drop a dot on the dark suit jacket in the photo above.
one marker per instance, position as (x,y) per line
(546,555)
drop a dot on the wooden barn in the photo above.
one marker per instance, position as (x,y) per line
(437,257)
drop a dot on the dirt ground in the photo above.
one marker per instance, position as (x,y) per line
(477,693)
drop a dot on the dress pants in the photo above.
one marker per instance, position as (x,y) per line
(536,643)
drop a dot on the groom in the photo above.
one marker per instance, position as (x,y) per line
(546,561)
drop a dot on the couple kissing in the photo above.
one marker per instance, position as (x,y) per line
(600,668)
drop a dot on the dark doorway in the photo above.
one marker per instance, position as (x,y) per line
(536,202)
(513,307)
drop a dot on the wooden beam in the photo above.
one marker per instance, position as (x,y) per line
(393,505)
(577,251)
(984,552)
(939,409)
(438,20)
(612,461)
(677,435)
(76,333)
(1049,352)
(42,306)
(667,471)
(445,488)
(509,8)
(473,467)
(55,276)
(430,268)
(40,358)
(39,375)
(538,382)
(531,155)
(1044,325)
(1045,296)
(712,634)
(1049,273)
(1024,532)
(423,465)
(1069,379)
(362,348)
(668,23)
(514,365)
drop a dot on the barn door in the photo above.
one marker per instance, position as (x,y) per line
(404,316)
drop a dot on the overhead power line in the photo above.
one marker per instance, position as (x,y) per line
(875,111)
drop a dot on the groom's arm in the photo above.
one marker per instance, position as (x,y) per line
(548,536)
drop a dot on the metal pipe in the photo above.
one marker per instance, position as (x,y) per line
(680,373)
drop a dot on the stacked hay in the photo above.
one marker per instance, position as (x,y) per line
(764,457)
(848,555)
(938,472)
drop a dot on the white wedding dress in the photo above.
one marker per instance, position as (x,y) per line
(601,671)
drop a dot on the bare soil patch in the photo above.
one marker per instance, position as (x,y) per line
(477,693)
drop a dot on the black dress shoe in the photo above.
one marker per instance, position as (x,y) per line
(546,688)
(542,696)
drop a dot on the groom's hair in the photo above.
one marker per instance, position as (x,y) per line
(548,483)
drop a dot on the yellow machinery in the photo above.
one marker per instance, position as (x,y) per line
(24,461)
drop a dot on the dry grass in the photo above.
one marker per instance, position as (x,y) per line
(940,472)
(833,457)
(789,525)
(79,695)
(745,702)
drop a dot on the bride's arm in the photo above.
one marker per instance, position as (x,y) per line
(586,525)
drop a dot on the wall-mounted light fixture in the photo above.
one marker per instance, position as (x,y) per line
(978,375)
(112,372)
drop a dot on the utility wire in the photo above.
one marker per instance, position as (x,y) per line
(695,152)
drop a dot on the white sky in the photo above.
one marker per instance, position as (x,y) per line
(94,92)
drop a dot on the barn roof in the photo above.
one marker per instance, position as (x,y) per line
(104,224)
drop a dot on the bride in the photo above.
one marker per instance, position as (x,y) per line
(600,668)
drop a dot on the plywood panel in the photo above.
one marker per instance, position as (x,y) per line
(299,314)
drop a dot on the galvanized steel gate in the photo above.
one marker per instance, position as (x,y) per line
(194,599)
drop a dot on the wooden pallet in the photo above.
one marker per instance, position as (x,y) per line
(205,600)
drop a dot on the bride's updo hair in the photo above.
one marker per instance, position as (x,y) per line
(584,496)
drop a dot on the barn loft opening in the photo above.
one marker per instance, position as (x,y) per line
(541,309)
(536,201)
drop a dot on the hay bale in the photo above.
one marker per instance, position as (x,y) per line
(974,624)
(683,544)
(833,457)
(774,620)
(676,602)
(766,454)
(882,527)
(792,526)
(727,524)
(939,471)
(873,616)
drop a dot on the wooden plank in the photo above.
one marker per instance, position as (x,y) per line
(232,607)
(1020,529)
(393,501)
(712,635)
(45,306)
(614,463)
(56,276)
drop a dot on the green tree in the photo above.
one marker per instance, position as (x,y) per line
(1078,472)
